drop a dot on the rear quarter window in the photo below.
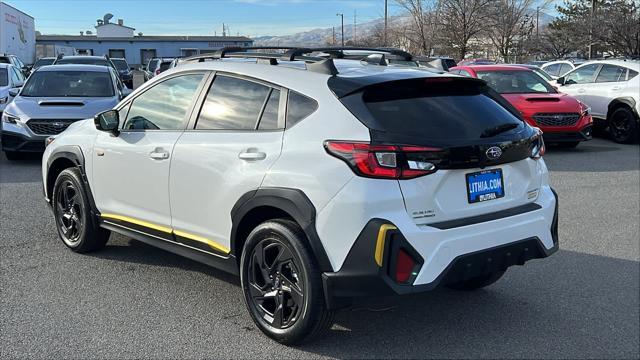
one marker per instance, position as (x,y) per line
(299,107)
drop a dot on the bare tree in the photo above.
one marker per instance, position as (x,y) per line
(460,21)
(422,31)
(617,27)
(511,23)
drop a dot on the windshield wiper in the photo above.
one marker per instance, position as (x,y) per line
(493,131)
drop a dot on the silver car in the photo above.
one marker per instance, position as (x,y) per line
(11,78)
(54,97)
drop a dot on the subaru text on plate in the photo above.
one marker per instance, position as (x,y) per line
(316,181)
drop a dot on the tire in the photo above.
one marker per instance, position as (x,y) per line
(13,155)
(277,267)
(477,282)
(623,125)
(72,214)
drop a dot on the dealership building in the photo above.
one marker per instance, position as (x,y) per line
(120,41)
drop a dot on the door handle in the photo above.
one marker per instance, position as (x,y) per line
(252,154)
(616,88)
(159,154)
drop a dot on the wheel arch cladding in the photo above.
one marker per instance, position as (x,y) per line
(623,101)
(264,204)
(63,158)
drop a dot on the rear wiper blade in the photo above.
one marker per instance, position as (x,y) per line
(493,131)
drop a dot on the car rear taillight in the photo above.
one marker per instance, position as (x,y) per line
(385,161)
(404,266)
(537,148)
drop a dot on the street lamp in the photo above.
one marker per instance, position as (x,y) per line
(342,19)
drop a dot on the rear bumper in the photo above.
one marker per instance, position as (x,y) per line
(583,134)
(361,276)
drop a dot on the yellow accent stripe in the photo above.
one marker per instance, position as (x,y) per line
(382,235)
(201,239)
(138,222)
(165,229)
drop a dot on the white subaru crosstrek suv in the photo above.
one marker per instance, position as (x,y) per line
(611,88)
(316,181)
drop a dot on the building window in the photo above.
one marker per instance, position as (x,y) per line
(186,52)
(116,53)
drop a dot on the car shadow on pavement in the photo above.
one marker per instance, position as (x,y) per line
(610,157)
(546,307)
(120,248)
(25,170)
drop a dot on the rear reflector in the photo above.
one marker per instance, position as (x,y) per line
(404,266)
(384,161)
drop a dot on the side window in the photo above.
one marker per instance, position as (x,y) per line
(232,104)
(164,106)
(565,68)
(611,73)
(581,75)
(15,78)
(552,69)
(632,74)
(299,107)
(269,119)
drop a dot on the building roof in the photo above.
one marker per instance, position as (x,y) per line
(142,38)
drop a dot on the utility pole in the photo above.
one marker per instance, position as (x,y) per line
(385,22)
(537,23)
(355,27)
(593,13)
(342,19)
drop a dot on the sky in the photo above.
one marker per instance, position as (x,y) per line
(200,17)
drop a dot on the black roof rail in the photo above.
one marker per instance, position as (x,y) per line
(313,63)
(338,51)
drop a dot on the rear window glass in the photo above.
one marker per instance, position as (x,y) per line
(120,64)
(4,77)
(4,60)
(632,74)
(164,66)
(43,62)
(433,112)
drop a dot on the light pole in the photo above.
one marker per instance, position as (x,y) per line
(342,19)
(385,23)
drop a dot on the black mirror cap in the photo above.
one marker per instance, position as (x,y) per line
(14,92)
(108,121)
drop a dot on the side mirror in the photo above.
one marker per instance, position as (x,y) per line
(14,92)
(108,121)
(560,80)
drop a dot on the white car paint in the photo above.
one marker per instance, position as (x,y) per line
(598,95)
(195,187)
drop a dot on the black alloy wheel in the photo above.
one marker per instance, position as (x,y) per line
(623,125)
(282,283)
(275,283)
(69,213)
(71,210)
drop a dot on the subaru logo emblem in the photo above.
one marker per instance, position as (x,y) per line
(494,153)
(58,125)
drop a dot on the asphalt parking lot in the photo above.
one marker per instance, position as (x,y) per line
(134,301)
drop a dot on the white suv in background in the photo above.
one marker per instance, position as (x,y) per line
(612,89)
(316,181)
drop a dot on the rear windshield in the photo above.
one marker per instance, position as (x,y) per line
(515,82)
(68,84)
(433,112)
(43,62)
(164,66)
(4,60)
(120,64)
(4,77)
(86,61)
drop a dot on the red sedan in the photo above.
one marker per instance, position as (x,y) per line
(562,118)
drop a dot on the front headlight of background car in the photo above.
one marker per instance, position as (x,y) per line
(11,119)
(584,109)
